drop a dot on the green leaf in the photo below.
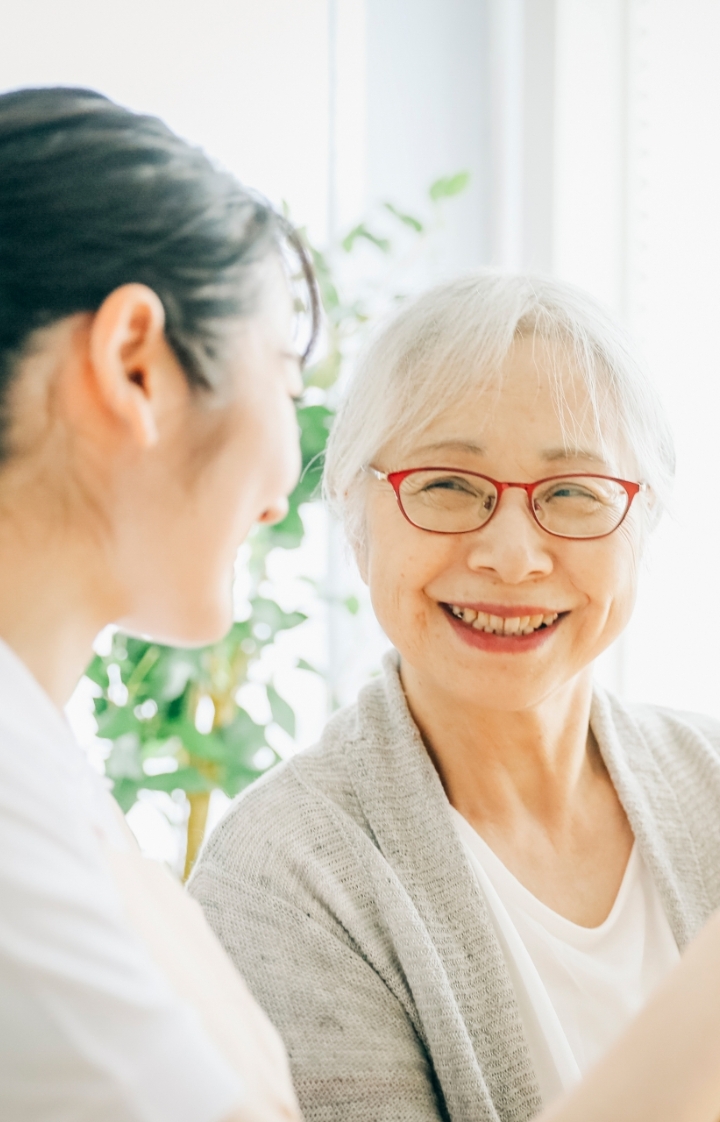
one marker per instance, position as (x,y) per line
(97,672)
(353,605)
(116,722)
(237,779)
(361,233)
(267,611)
(314,422)
(125,792)
(204,745)
(407,219)
(143,667)
(448,186)
(302,664)
(325,373)
(283,714)
(242,738)
(124,761)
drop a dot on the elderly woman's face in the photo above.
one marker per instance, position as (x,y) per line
(510,569)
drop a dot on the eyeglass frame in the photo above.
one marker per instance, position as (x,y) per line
(397,478)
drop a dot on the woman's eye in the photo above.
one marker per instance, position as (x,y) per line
(449,485)
(568,491)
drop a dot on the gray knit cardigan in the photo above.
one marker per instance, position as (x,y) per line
(339,888)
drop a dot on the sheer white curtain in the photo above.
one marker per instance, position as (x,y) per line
(673,263)
(634,187)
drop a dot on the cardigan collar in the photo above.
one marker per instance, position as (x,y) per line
(408,812)
(662,824)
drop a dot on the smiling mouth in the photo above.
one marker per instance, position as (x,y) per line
(501,625)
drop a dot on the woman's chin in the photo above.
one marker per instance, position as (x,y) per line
(200,627)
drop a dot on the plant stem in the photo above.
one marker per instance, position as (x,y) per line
(199,803)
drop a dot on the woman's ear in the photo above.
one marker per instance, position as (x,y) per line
(128,350)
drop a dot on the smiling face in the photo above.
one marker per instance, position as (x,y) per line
(503,616)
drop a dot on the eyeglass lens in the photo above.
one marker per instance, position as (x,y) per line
(454,503)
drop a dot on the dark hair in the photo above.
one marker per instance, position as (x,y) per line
(93,196)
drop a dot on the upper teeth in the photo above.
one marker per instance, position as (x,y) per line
(503,625)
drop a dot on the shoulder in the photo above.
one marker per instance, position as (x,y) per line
(662,746)
(304,809)
(672,730)
(78,985)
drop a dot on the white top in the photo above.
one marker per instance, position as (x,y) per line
(577,987)
(89,1027)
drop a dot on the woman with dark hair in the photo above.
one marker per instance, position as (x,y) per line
(147,377)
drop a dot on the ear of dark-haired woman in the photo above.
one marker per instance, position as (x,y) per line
(129,355)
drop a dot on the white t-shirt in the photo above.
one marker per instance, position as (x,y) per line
(577,987)
(89,1028)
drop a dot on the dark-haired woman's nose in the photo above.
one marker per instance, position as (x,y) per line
(275,513)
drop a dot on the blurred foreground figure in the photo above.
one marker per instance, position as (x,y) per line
(147,376)
(454,905)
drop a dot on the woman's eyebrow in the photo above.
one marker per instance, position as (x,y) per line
(556,455)
(560,454)
(453,446)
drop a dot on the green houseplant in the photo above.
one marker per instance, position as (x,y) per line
(172,717)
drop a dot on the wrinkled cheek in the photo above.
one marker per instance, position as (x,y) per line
(402,617)
(385,597)
(607,623)
(626,590)
(621,612)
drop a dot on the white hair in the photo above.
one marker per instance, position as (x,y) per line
(453,340)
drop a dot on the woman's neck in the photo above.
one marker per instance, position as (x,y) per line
(52,600)
(498,765)
(534,786)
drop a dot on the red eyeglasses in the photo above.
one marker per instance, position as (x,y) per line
(447,501)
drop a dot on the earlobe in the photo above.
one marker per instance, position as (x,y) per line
(127,343)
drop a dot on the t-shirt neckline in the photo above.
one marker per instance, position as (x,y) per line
(563,927)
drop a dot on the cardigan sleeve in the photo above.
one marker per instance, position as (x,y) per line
(354,1053)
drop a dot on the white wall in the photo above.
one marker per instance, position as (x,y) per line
(246,80)
(674,307)
(427,115)
(635,184)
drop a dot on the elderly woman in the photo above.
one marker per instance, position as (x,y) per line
(454,904)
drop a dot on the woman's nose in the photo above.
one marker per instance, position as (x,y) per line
(275,512)
(512,543)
